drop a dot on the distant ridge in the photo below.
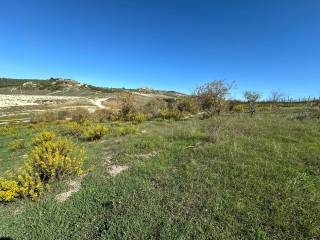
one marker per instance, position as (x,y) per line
(45,86)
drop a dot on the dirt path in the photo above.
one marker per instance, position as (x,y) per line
(98,102)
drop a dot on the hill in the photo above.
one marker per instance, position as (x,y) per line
(68,87)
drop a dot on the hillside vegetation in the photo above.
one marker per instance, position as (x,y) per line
(227,177)
(190,167)
(60,86)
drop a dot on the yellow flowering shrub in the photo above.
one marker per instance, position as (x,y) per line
(96,131)
(136,118)
(31,184)
(51,158)
(54,158)
(115,117)
(9,190)
(73,128)
(239,108)
(43,137)
(7,130)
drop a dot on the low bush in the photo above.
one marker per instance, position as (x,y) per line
(44,117)
(73,128)
(115,117)
(239,108)
(49,116)
(187,104)
(136,118)
(167,114)
(53,157)
(123,130)
(127,105)
(80,115)
(7,130)
(153,107)
(96,131)
(102,115)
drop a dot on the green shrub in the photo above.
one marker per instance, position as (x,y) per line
(123,130)
(96,131)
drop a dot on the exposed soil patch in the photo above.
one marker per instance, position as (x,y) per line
(116,169)
(113,169)
(74,185)
(31,100)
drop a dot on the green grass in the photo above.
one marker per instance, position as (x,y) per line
(229,177)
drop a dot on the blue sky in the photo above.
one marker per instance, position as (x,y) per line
(263,45)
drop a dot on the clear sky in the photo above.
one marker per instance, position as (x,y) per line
(263,45)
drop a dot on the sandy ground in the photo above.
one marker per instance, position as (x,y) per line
(35,103)
(32,100)
(99,102)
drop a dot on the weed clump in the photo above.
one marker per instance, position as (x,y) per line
(16,145)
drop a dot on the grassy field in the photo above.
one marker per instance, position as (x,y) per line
(227,177)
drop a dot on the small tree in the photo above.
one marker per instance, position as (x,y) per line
(212,96)
(275,98)
(252,97)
